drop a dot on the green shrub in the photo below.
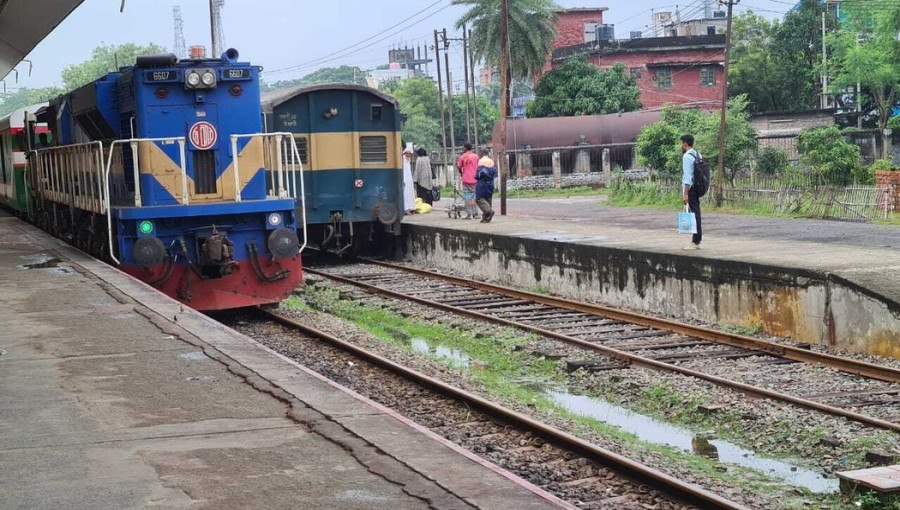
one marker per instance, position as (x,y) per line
(771,161)
(829,155)
(885,165)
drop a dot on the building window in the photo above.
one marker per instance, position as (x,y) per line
(636,72)
(664,78)
(590,31)
(707,76)
(373,150)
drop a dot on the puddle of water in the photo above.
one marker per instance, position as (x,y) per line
(657,432)
(40,261)
(193,356)
(457,358)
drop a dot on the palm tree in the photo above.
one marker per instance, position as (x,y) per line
(532,32)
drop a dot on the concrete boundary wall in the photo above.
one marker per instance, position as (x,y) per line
(804,305)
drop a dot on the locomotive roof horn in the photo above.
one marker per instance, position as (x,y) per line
(231,55)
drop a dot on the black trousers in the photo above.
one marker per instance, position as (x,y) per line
(425,195)
(694,204)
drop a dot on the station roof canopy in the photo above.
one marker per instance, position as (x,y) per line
(25,23)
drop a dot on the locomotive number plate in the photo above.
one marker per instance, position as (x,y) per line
(236,74)
(162,76)
(203,135)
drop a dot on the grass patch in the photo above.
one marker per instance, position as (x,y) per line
(751,329)
(576,191)
(539,289)
(506,372)
(293,302)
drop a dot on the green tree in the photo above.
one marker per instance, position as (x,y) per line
(532,32)
(104,59)
(519,88)
(487,117)
(27,97)
(422,130)
(775,63)
(579,88)
(419,96)
(867,52)
(740,137)
(342,74)
(828,155)
(658,145)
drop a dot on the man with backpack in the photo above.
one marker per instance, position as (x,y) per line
(695,182)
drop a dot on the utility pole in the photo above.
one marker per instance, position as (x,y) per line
(720,173)
(449,94)
(437,58)
(824,67)
(504,101)
(466,76)
(474,91)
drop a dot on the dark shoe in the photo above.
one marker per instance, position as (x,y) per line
(488,216)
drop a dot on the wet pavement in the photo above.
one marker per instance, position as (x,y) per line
(115,396)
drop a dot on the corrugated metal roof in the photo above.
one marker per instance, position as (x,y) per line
(25,23)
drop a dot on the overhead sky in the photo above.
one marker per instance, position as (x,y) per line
(291,38)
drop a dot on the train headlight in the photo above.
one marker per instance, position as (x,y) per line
(208,78)
(148,251)
(283,243)
(193,78)
(274,220)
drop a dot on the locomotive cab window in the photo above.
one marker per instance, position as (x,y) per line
(373,150)
(377,112)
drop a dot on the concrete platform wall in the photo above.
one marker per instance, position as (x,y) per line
(803,305)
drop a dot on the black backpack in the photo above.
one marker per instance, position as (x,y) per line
(701,175)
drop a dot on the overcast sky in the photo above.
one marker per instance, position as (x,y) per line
(291,38)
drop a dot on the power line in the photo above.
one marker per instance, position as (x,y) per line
(369,39)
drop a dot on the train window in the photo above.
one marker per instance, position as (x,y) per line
(302,148)
(204,172)
(377,112)
(373,150)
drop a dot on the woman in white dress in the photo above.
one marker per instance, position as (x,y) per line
(409,193)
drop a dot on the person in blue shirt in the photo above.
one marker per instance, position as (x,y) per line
(484,188)
(689,196)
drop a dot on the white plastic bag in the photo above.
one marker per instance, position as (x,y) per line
(687,222)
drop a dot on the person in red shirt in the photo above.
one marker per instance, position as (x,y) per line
(468,166)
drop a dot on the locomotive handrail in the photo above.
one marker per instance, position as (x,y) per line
(134,143)
(76,158)
(295,162)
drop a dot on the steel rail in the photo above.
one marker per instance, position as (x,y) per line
(850,366)
(622,356)
(682,490)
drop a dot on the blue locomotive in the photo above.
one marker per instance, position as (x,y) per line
(350,143)
(163,169)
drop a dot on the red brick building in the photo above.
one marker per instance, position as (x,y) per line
(669,70)
(577,26)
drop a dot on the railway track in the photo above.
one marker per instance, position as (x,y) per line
(856,390)
(581,474)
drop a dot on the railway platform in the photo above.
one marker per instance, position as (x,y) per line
(115,396)
(821,282)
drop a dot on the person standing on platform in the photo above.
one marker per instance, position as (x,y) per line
(423,177)
(690,195)
(468,166)
(484,190)
(409,194)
